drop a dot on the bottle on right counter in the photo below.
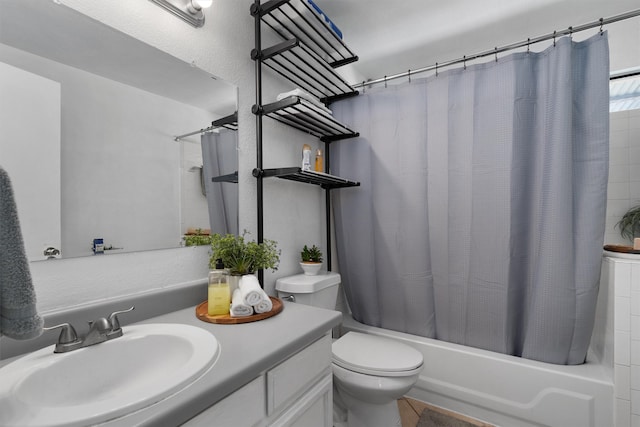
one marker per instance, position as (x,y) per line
(219,295)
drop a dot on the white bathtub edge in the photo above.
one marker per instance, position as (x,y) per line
(538,394)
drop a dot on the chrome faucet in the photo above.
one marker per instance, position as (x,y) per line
(100,330)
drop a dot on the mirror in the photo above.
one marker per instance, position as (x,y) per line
(89,117)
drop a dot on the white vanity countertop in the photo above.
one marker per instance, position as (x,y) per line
(246,351)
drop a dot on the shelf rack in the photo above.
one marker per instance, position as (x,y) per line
(228,122)
(324,180)
(307,57)
(232,177)
(307,117)
(310,51)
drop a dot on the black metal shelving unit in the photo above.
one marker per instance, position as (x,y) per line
(307,117)
(308,55)
(228,122)
(324,180)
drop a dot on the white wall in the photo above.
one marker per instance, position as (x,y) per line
(623,282)
(624,171)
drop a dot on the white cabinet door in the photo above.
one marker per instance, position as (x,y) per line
(313,409)
(298,373)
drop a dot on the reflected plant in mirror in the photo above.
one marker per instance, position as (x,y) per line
(89,120)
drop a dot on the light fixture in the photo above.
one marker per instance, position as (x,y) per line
(188,10)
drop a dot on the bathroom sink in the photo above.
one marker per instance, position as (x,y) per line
(104,381)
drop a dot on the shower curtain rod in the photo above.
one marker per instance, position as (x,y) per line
(228,122)
(497,50)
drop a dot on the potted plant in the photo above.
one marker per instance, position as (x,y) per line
(311,260)
(629,224)
(197,237)
(241,256)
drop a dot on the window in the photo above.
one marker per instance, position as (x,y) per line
(624,90)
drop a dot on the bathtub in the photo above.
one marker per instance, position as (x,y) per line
(507,391)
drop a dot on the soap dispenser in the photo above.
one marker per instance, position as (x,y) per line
(219,299)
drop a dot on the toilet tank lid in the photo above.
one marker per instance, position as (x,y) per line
(303,284)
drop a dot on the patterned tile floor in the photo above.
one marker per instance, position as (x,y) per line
(411,414)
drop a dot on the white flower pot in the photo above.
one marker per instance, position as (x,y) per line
(311,268)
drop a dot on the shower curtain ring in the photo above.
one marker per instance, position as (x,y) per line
(554,38)
(601,24)
(436,69)
(570,32)
(409,74)
(464,61)
(363,87)
(496,53)
(385,82)
(528,43)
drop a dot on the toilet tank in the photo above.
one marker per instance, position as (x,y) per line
(320,290)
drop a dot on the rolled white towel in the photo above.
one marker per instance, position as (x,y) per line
(251,290)
(238,307)
(265,305)
(304,95)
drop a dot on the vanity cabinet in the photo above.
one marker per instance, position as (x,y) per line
(310,50)
(296,392)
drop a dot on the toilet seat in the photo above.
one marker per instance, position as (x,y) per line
(374,355)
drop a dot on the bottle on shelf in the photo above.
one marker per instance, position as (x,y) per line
(319,166)
(306,157)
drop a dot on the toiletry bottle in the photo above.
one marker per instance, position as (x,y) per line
(219,299)
(306,157)
(319,161)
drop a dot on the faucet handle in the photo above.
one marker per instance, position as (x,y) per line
(68,335)
(113,319)
(100,325)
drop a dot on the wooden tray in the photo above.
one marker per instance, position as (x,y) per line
(621,248)
(202,313)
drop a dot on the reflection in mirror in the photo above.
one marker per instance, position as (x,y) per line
(89,117)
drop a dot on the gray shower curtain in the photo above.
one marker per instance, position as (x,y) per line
(220,157)
(480,216)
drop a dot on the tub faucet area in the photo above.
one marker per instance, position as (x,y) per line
(100,330)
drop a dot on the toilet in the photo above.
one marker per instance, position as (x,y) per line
(369,372)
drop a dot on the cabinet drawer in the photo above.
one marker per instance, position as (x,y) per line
(295,375)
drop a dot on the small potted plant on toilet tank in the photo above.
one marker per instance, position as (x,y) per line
(311,260)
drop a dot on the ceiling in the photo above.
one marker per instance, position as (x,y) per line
(394,36)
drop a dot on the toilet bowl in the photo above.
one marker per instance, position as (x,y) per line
(369,372)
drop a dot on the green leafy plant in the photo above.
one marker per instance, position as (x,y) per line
(312,254)
(241,256)
(197,239)
(629,224)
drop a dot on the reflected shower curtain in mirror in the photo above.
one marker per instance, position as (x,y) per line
(220,157)
(480,217)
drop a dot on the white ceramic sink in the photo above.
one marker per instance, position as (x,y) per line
(104,381)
